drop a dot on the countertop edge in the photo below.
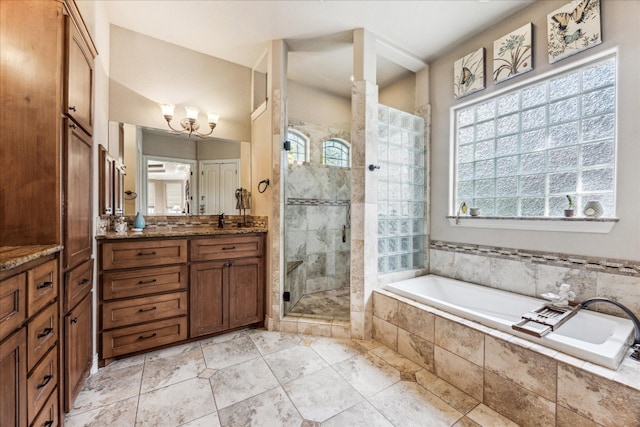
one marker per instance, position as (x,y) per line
(14,256)
(148,234)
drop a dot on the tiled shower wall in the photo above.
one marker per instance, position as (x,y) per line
(317,209)
(532,273)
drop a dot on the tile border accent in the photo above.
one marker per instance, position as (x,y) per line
(605,265)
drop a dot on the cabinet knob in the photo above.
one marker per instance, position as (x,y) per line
(74,320)
(72,108)
(83,282)
(73,126)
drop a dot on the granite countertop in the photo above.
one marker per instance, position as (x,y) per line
(180,231)
(13,256)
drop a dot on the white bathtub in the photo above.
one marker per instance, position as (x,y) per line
(595,337)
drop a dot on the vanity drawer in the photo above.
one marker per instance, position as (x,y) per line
(42,286)
(42,381)
(122,284)
(128,312)
(13,309)
(143,254)
(143,337)
(42,334)
(48,416)
(226,247)
(77,283)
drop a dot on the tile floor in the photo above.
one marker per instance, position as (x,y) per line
(333,304)
(259,378)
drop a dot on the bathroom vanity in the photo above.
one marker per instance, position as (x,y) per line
(166,287)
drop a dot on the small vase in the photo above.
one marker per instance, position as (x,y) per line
(593,209)
(139,222)
(568,213)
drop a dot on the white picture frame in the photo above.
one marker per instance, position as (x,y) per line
(468,74)
(573,28)
(512,54)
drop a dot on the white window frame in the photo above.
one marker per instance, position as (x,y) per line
(343,143)
(556,224)
(299,136)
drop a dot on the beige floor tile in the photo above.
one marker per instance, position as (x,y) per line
(170,367)
(268,342)
(360,415)
(321,395)
(176,404)
(116,414)
(368,373)
(271,408)
(487,417)
(445,391)
(405,402)
(227,353)
(241,381)
(108,386)
(294,362)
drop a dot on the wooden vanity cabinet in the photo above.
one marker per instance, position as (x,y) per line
(78,94)
(78,326)
(143,295)
(228,292)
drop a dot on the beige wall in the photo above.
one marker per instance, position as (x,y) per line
(145,72)
(620,30)
(400,94)
(313,106)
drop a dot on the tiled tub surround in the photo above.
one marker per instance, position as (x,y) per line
(533,273)
(528,383)
(595,337)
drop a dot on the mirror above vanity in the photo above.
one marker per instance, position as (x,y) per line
(157,172)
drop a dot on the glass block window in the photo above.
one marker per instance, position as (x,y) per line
(335,152)
(401,158)
(521,152)
(299,151)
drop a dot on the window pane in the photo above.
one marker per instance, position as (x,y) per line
(523,151)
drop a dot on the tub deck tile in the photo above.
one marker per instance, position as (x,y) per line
(460,340)
(415,348)
(458,371)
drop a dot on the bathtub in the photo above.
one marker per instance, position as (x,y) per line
(595,337)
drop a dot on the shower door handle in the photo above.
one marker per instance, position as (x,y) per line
(344,234)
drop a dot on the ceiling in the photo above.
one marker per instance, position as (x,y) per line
(318,32)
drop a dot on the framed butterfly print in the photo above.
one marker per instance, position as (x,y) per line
(468,74)
(512,54)
(573,28)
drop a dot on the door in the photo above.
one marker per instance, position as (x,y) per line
(13,387)
(78,349)
(218,182)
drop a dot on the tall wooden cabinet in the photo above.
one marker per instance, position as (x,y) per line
(76,313)
(46,173)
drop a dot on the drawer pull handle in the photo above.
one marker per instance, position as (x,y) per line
(74,320)
(146,337)
(45,380)
(45,285)
(48,423)
(83,282)
(45,332)
(228,248)
(143,310)
(72,108)
(145,282)
(73,126)
(146,253)
(228,264)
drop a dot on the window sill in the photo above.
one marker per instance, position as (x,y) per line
(574,225)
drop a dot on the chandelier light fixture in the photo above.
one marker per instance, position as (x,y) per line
(189,124)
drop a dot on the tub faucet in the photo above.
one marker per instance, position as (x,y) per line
(636,323)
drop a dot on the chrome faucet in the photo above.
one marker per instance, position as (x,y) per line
(636,323)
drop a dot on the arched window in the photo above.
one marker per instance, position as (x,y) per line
(299,151)
(336,152)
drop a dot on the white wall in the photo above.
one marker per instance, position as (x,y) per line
(401,94)
(620,30)
(145,72)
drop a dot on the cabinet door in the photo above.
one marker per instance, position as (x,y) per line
(13,303)
(208,296)
(79,82)
(78,217)
(78,349)
(13,386)
(246,292)
(118,188)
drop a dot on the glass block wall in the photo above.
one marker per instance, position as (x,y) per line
(401,190)
(521,153)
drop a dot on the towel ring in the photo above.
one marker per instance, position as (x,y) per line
(263,185)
